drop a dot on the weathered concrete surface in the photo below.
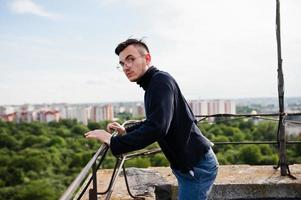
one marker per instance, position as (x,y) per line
(233,182)
(256,182)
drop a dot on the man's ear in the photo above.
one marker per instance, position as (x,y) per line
(148,58)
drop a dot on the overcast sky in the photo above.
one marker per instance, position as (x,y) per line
(63,51)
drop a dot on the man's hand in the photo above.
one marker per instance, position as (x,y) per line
(111,127)
(101,135)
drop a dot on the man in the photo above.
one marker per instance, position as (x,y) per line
(169,121)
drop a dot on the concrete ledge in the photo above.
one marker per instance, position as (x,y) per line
(233,182)
(256,182)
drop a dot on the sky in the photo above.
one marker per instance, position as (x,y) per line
(63,51)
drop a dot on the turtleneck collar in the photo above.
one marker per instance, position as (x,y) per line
(145,79)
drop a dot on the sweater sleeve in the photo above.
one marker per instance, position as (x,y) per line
(160,108)
(133,127)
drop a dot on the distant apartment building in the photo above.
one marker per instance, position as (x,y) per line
(100,113)
(62,109)
(202,107)
(199,107)
(80,113)
(4,110)
(26,116)
(135,108)
(121,108)
(138,110)
(48,115)
(7,113)
(216,107)
(42,115)
(8,117)
(230,107)
(26,113)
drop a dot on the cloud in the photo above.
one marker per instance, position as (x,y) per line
(29,7)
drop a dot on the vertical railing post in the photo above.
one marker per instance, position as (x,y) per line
(281,129)
(282,147)
(93,190)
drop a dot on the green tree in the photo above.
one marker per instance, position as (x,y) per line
(94,125)
(138,162)
(250,154)
(265,131)
(69,123)
(32,140)
(249,124)
(269,160)
(231,156)
(37,190)
(63,132)
(57,141)
(37,128)
(159,160)
(79,129)
(8,141)
(238,136)
(80,159)
(124,116)
(32,159)
(12,175)
(109,162)
(221,159)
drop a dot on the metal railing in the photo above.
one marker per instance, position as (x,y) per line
(77,188)
(281,136)
(73,191)
(76,184)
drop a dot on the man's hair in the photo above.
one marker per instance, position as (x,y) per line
(130,41)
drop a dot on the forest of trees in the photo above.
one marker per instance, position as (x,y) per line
(39,160)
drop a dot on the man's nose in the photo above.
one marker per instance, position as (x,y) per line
(126,65)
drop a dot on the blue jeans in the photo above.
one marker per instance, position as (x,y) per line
(197,183)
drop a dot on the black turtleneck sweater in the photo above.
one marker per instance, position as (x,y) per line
(169,121)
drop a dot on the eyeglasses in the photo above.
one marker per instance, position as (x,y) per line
(128,61)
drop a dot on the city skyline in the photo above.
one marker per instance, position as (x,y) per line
(55,52)
(244,101)
(85,113)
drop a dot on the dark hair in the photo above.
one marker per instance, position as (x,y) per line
(130,41)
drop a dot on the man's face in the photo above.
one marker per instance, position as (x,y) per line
(135,63)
